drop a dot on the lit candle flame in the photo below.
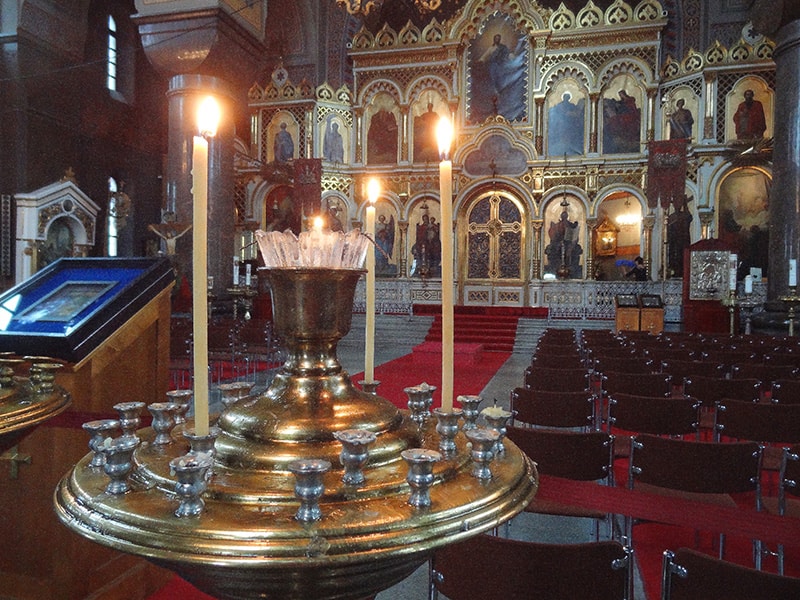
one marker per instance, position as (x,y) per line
(318,222)
(208,116)
(444,135)
(373,190)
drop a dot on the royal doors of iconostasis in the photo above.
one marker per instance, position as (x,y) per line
(492,240)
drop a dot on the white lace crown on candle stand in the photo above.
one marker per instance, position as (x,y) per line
(315,248)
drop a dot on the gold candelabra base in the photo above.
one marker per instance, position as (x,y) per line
(248,542)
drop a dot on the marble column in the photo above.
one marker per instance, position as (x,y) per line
(184,95)
(784,217)
(780,20)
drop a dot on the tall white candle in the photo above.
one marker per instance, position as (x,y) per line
(208,118)
(445,135)
(748,284)
(247,274)
(373,189)
(235,270)
(734,261)
(792,272)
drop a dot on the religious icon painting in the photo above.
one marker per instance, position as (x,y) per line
(284,133)
(424,239)
(622,116)
(563,237)
(497,79)
(385,237)
(680,115)
(335,137)
(566,119)
(426,114)
(383,127)
(750,109)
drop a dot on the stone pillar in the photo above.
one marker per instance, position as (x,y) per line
(784,218)
(539,137)
(648,224)
(594,100)
(591,226)
(402,261)
(536,262)
(184,95)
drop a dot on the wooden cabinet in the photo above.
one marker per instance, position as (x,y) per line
(651,320)
(40,559)
(627,319)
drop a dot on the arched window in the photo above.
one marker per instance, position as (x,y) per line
(112,55)
(111,240)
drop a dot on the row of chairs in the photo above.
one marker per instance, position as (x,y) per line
(647,417)
(496,568)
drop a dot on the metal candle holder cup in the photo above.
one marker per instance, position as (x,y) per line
(183,400)
(447,428)
(420,474)
(497,419)
(99,429)
(119,462)
(191,471)
(43,376)
(370,387)
(469,404)
(129,416)
(234,391)
(309,486)
(355,453)
(483,441)
(420,399)
(163,421)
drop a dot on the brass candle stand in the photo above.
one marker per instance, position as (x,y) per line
(27,401)
(246,539)
(791,299)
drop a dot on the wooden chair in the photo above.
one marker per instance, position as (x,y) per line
(547,408)
(629,364)
(704,472)
(764,422)
(581,456)
(691,575)
(556,380)
(763,371)
(709,390)
(787,502)
(656,415)
(785,391)
(653,384)
(681,369)
(495,568)
(557,361)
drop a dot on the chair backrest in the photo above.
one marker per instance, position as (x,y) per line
(558,380)
(709,390)
(691,466)
(654,384)
(789,478)
(762,371)
(654,414)
(785,391)
(557,361)
(554,409)
(757,421)
(691,575)
(518,570)
(628,364)
(583,456)
(680,369)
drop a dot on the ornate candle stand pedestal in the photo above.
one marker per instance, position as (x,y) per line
(791,299)
(748,305)
(26,402)
(351,541)
(242,296)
